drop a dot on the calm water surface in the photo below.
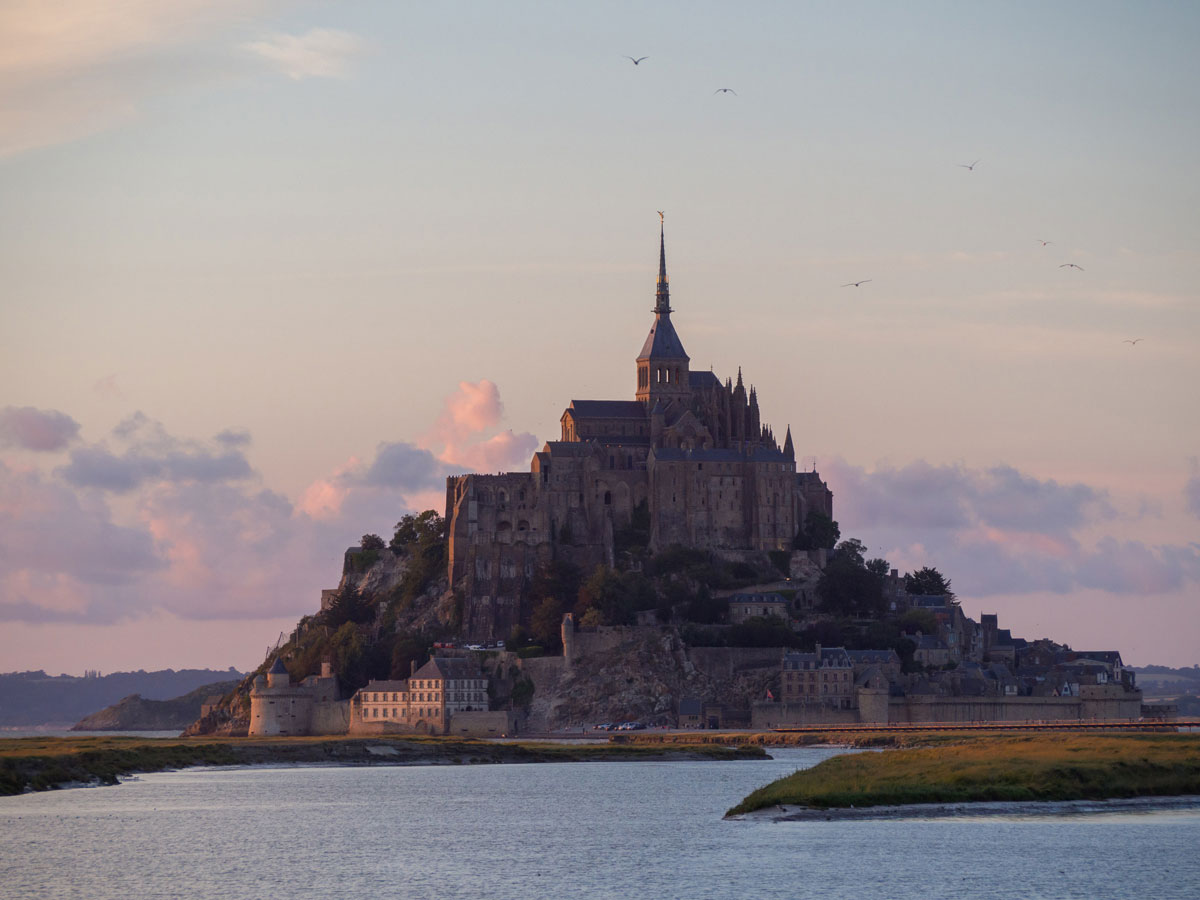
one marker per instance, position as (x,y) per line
(625,830)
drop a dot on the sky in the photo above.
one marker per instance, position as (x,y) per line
(270,271)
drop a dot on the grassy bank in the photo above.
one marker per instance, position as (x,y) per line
(47,763)
(1016,768)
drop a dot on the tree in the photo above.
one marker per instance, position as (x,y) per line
(847,587)
(421,529)
(372,542)
(818,532)
(921,620)
(618,596)
(879,567)
(406,650)
(546,623)
(855,550)
(348,605)
(928,581)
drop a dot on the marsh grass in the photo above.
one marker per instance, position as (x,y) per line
(995,768)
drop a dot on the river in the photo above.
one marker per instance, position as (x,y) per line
(596,830)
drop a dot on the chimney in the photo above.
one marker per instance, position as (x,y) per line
(412,668)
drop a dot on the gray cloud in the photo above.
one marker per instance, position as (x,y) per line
(233,437)
(95,467)
(920,495)
(46,528)
(1000,531)
(405,466)
(153,454)
(36,429)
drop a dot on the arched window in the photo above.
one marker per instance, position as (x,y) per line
(608,498)
(502,496)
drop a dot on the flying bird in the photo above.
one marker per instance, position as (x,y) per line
(635,61)
(857,283)
(1132,343)
(970,168)
(725,91)
(1071,266)
(1043,243)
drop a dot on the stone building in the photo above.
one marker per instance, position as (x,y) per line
(689,458)
(427,701)
(825,676)
(280,707)
(762,606)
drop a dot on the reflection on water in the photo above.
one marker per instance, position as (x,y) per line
(624,830)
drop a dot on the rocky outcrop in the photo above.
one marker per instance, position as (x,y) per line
(640,674)
(135,713)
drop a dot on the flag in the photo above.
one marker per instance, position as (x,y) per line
(770,696)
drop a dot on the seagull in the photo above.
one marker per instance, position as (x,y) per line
(1132,343)
(725,91)
(970,168)
(635,61)
(1043,243)
(1071,266)
(857,283)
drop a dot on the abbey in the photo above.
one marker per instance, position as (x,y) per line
(688,458)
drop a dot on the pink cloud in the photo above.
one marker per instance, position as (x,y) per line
(474,407)
(467,415)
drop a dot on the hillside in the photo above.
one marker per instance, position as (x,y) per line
(29,699)
(135,713)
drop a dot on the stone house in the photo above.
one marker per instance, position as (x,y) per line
(749,606)
(425,702)
(825,676)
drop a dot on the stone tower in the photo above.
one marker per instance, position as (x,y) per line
(662,366)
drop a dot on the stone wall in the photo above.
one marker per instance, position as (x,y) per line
(1012,709)
(771,715)
(724,663)
(482,724)
(330,717)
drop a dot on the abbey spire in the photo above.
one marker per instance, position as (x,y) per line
(662,292)
(662,366)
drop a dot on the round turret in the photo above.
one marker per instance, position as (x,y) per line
(277,675)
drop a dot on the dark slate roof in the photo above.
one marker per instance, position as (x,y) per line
(703,381)
(608,409)
(662,342)
(278,668)
(448,667)
(569,448)
(674,454)
(382,686)
(876,657)
(834,657)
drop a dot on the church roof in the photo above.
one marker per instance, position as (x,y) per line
(759,454)
(662,342)
(608,409)
(703,381)
(447,667)
(569,448)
